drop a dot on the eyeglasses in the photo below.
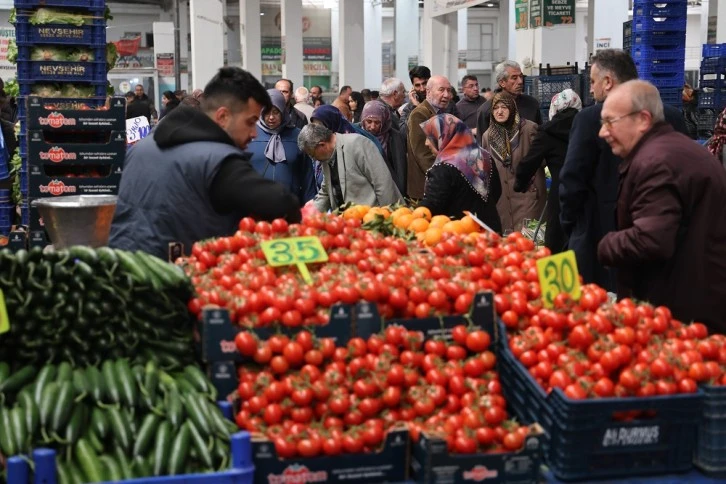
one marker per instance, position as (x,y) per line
(609,122)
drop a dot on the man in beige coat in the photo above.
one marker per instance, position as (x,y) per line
(420,157)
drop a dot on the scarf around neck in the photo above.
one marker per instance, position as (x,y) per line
(458,148)
(378,111)
(274,150)
(504,137)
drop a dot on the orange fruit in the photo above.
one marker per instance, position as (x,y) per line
(400,211)
(439,221)
(454,227)
(469,225)
(370,216)
(402,221)
(418,225)
(432,235)
(353,213)
(422,212)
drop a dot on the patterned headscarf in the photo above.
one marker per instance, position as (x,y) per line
(718,140)
(458,148)
(378,111)
(333,119)
(504,137)
(275,151)
(566,99)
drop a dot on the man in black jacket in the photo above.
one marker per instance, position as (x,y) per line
(297,118)
(509,78)
(589,178)
(191,180)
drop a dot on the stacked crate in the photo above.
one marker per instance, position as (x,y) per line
(712,85)
(65,62)
(554,80)
(658,45)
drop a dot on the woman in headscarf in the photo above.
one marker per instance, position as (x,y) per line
(508,140)
(718,140)
(463,176)
(275,154)
(376,119)
(549,147)
(331,117)
(356,103)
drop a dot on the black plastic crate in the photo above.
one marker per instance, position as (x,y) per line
(706,122)
(584,441)
(712,99)
(627,30)
(710,454)
(672,96)
(545,87)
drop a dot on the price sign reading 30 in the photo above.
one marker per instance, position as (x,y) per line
(295,250)
(558,273)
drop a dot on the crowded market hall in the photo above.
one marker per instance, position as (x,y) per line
(362,241)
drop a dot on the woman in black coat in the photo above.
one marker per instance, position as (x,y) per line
(550,147)
(463,177)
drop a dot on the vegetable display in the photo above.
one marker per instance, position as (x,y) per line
(83,305)
(312,398)
(402,277)
(57,53)
(114,421)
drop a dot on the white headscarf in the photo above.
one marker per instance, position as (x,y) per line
(566,99)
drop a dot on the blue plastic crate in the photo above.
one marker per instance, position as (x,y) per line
(715,82)
(672,96)
(646,53)
(585,442)
(242,471)
(668,24)
(93,35)
(26,86)
(713,65)
(665,66)
(90,4)
(713,50)
(52,71)
(664,79)
(659,38)
(660,8)
(708,99)
(545,87)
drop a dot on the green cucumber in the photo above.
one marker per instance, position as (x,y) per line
(140,467)
(65,372)
(32,416)
(123,463)
(120,428)
(131,266)
(145,436)
(77,424)
(19,430)
(84,253)
(99,423)
(63,406)
(88,461)
(47,403)
(197,413)
(113,470)
(174,408)
(113,392)
(95,442)
(179,450)
(162,446)
(221,427)
(4,371)
(194,375)
(19,379)
(200,445)
(95,384)
(7,438)
(80,383)
(151,380)
(127,383)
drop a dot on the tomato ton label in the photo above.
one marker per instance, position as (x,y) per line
(57,187)
(56,120)
(297,474)
(57,154)
(480,473)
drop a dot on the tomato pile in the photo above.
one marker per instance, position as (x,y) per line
(592,348)
(311,398)
(403,278)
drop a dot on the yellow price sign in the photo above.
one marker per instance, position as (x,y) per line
(295,250)
(557,274)
(4,320)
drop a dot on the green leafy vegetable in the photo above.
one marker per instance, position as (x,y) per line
(46,90)
(111,56)
(12,51)
(12,88)
(44,16)
(15,164)
(12,17)
(48,53)
(76,90)
(80,54)
(107,14)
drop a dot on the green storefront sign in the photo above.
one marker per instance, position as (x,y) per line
(535,14)
(557,12)
(521,19)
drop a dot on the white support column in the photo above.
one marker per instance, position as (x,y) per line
(335,46)
(440,42)
(406,35)
(207,28)
(705,9)
(590,28)
(292,45)
(351,53)
(373,21)
(251,45)
(506,31)
(462,43)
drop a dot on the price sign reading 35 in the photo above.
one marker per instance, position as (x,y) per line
(295,250)
(557,274)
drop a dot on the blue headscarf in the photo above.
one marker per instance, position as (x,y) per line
(275,151)
(333,119)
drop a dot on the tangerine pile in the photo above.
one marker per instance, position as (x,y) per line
(428,228)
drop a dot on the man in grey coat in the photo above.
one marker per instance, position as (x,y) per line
(353,169)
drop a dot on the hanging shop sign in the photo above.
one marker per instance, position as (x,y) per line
(558,12)
(521,11)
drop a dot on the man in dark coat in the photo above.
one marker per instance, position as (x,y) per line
(296,118)
(589,177)
(509,78)
(470,102)
(670,246)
